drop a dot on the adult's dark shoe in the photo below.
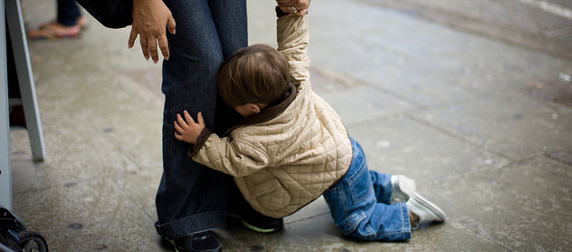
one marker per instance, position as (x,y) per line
(203,242)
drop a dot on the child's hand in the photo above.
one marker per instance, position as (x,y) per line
(188,130)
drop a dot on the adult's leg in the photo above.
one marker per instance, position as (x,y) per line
(68,12)
(230,19)
(231,23)
(191,197)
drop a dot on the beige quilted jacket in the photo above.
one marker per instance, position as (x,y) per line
(288,155)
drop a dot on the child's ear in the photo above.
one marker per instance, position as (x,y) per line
(254,107)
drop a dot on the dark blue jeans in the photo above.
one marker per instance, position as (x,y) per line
(68,12)
(191,197)
(359,204)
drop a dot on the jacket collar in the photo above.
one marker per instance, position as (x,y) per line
(268,113)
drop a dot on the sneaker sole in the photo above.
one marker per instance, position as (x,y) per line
(252,227)
(430,205)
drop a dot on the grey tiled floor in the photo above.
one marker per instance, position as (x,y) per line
(473,120)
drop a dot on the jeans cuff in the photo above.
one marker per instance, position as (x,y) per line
(192,224)
(406,225)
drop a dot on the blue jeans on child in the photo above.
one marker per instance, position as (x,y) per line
(359,203)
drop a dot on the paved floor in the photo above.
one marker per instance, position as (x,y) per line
(484,127)
(537,24)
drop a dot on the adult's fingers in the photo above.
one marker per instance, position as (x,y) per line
(286,2)
(164,46)
(143,41)
(171,25)
(293,11)
(300,6)
(301,13)
(162,39)
(152,48)
(132,37)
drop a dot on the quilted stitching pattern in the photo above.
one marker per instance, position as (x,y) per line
(285,163)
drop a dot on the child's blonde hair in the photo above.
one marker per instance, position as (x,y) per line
(254,74)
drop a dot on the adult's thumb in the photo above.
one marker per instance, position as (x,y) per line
(171,24)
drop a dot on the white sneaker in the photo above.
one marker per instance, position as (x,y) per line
(426,210)
(401,188)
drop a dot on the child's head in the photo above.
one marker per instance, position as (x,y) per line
(257,74)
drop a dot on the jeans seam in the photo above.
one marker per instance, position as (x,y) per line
(351,181)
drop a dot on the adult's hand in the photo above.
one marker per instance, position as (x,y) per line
(300,6)
(150,20)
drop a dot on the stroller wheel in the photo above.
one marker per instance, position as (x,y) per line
(31,241)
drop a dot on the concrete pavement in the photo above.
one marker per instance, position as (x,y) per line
(484,127)
(537,24)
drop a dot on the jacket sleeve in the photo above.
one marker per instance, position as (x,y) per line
(293,38)
(234,157)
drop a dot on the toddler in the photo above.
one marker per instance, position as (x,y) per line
(292,147)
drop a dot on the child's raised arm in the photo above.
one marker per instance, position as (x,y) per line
(293,38)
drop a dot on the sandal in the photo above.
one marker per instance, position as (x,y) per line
(81,21)
(55,30)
